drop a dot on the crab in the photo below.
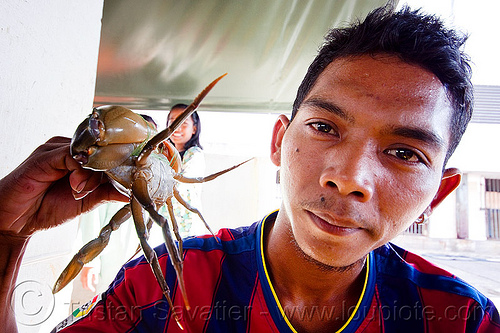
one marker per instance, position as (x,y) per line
(123,145)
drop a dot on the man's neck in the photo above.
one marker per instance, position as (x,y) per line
(314,296)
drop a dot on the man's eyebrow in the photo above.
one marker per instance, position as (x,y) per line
(416,133)
(420,134)
(325,105)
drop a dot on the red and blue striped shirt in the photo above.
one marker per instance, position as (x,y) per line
(229,290)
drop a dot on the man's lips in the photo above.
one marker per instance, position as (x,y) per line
(333,226)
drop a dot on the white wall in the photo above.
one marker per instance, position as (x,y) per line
(477,152)
(478,157)
(442,222)
(48,56)
(248,193)
(477,217)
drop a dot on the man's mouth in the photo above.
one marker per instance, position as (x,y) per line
(332,225)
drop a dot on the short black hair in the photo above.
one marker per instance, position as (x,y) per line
(414,37)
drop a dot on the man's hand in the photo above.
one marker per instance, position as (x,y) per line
(47,189)
(41,192)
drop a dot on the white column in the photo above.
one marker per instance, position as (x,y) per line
(477,217)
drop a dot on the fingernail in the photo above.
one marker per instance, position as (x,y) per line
(81,194)
(81,186)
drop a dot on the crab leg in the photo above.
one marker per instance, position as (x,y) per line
(140,194)
(148,228)
(165,134)
(92,249)
(175,227)
(150,254)
(192,209)
(196,180)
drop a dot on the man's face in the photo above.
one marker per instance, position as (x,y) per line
(363,158)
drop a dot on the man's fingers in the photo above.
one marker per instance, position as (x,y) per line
(84,181)
(104,192)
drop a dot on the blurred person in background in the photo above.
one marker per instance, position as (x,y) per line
(186,140)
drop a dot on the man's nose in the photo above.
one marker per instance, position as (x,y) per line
(351,174)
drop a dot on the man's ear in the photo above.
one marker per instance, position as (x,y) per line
(449,182)
(277,139)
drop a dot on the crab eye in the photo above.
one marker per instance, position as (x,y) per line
(95,127)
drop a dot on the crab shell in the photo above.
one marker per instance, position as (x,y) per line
(109,136)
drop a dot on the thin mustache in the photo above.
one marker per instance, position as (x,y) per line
(335,209)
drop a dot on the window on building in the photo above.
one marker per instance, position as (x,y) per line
(417,229)
(492,208)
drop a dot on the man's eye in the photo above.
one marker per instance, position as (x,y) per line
(322,127)
(405,154)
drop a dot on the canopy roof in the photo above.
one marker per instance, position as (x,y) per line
(157,53)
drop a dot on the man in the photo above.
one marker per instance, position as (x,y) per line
(377,116)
